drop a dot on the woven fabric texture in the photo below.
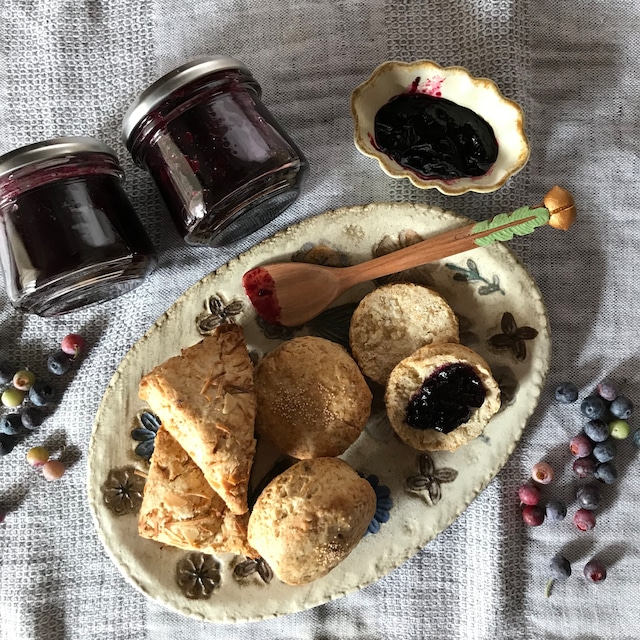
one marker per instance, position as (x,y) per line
(72,67)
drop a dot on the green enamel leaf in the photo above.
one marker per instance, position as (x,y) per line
(541,218)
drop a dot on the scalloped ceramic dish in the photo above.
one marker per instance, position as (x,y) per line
(494,298)
(481,95)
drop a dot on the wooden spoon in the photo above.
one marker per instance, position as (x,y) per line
(292,293)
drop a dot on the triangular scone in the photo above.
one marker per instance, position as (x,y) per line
(205,399)
(180,508)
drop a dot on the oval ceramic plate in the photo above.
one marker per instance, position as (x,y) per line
(502,316)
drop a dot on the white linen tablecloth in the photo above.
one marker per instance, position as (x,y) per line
(72,67)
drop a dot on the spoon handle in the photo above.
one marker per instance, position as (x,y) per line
(559,212)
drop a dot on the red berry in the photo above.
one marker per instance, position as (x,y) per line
(581,446)
(73,344)
(542,473)
(584,519)
(53,470)
(529,494)
(533,515)
(595,571)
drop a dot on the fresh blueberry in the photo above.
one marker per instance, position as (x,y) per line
(566,393)
(636,437)
(621,407)
(555,510)
(41,394)
(606,472)
(584,519)
(6,372)
(59,363)
(589,496)
(7,443)
(594,407)
(607,389)
(597,430)
(581,445)
(11,424)
(605,451)
(560,567)
(584,467)
(32,418)
(595,571)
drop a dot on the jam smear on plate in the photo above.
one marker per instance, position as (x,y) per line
(435,137)
(446,398)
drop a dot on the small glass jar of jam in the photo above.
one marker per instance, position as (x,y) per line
(69,237)
(221,162)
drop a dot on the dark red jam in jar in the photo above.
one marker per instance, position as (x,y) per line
(69,237)
(221,162)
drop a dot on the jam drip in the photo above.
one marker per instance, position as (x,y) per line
(435,137)
(446,399)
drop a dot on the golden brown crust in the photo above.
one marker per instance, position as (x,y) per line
(312,399)
(406,379)
(205,399)
(393,321)
(310,518)
(180,508)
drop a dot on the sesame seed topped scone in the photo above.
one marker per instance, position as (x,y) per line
(312,400)
(205,399)
(393,321)
(180,508)
(441,397)
(308,519)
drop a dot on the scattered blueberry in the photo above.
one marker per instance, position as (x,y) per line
(73,344)
(593,407)
(605,451)
(621,407)
(584,467)
(560,567)
(581,445)
(584,519)
(59,363)
(606,472)
(6,372)
(7,443)
(636,437)
(32,418)
(555,510)
(595,571)
(607,389)
(566,393)
(11,424)
(597,430)
(533,515)
(589,496)
(619,429)
(12,397)
(529,494)
(41,394)
(542,472)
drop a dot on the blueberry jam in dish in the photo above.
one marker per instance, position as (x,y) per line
(222,164)
(435,137)
(69,236)
(446,399)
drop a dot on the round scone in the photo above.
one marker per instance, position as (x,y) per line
(393,321)
(308,519)
(441,397)
(312,400)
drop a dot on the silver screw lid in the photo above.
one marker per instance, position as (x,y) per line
(162,88)
(50,150)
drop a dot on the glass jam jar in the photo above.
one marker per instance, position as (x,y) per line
(221,162)
(69,237)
